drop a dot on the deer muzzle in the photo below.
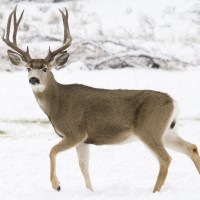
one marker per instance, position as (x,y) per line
(34,81)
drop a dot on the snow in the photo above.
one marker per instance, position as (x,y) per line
(165,28)
(181,85)
(119,171)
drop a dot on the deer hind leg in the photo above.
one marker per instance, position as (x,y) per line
(83,157)
(173,141)
(63,145)
(164,159)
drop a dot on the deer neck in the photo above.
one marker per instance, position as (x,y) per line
(47,95)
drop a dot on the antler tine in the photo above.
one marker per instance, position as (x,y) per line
(8,25)
(16,24)
(66,41)
(65,24)
(6,37)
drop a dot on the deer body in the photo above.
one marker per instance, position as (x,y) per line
(83,115)
(103,116)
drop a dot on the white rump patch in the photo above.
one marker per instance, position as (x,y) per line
(171,133)
(174,117)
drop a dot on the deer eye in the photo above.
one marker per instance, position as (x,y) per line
(44,69)
(29,69)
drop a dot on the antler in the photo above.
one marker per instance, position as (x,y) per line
(13,44)
(67,38)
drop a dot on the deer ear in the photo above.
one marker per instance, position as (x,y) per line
(60,59)
(16,58)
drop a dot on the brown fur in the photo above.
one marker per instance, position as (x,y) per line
(105,116)
(84,115)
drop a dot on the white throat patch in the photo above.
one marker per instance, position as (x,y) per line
(38,88)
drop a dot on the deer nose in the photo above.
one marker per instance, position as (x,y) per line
(34,81)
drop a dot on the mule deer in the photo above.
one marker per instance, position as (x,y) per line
(83,115)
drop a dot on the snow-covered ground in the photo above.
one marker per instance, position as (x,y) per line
(117,172)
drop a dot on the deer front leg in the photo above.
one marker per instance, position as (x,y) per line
(61,146)
(83,157)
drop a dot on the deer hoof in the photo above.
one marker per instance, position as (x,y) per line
(59,188)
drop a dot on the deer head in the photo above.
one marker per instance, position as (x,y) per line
(38,69)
